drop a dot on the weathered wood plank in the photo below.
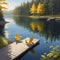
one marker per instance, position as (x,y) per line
(15,49)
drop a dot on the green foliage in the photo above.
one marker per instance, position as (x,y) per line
(23,9)
(52,7)
(1,15)
(3,42)
(54,54)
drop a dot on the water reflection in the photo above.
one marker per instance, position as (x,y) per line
(48,29)
(32,51)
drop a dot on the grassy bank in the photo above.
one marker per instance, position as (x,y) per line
(55,16)
(49,16)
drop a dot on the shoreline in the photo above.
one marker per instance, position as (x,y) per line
(55,16)
(3,23)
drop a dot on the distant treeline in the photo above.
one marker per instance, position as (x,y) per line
(52,7)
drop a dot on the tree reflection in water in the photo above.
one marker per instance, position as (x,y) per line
(47,29)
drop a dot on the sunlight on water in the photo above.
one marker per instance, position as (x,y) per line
(6,34)
(9,20)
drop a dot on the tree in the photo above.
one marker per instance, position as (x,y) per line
(33,9)
(40,8)
(2,6)
(2,3)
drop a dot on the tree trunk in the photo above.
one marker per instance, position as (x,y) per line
(1,16)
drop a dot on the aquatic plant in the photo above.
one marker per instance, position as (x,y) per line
(54,54)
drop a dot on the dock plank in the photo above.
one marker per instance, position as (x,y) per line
(13,50)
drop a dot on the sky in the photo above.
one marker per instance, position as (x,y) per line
(14,3)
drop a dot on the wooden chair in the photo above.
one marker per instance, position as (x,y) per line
(17,37)
(30,41)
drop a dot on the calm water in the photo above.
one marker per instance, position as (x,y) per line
(48,32)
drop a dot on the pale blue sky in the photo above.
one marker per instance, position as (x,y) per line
(13,3)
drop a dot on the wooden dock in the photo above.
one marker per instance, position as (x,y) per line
(15,50)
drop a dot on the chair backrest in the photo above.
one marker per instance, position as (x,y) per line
(31,39)
(17,37)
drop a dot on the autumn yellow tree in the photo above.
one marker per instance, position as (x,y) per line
(33,9)
(2,3)
(2,6)
(40,8)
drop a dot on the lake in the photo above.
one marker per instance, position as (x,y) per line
(48,32)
